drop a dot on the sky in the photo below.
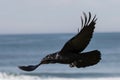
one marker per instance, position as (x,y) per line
(56,16)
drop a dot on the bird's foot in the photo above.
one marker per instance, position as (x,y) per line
(73,64)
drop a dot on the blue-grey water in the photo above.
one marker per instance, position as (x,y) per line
(28,49)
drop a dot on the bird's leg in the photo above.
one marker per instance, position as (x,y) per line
(73,64)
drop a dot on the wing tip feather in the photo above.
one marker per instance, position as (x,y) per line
(87,21)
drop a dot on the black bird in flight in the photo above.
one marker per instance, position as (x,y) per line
(71,53)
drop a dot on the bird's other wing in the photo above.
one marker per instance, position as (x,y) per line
(87,59)
(80,41)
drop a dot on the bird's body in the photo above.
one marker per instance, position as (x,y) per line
(72,58)
(71,53)
(57,58)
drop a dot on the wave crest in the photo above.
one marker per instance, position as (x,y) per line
(9,76)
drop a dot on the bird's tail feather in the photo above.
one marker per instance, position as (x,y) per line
(87,59)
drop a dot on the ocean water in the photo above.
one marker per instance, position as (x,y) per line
(25,49)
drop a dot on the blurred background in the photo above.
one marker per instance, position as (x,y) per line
(31,29)
(56,16)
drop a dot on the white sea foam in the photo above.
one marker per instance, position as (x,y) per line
(5,76)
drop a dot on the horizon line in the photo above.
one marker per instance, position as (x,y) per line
(48,33)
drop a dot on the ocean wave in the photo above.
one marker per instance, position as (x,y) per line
(9,76)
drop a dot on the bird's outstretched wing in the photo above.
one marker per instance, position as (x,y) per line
(87,59)
(80,41)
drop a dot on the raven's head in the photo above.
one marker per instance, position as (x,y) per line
(49,59)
